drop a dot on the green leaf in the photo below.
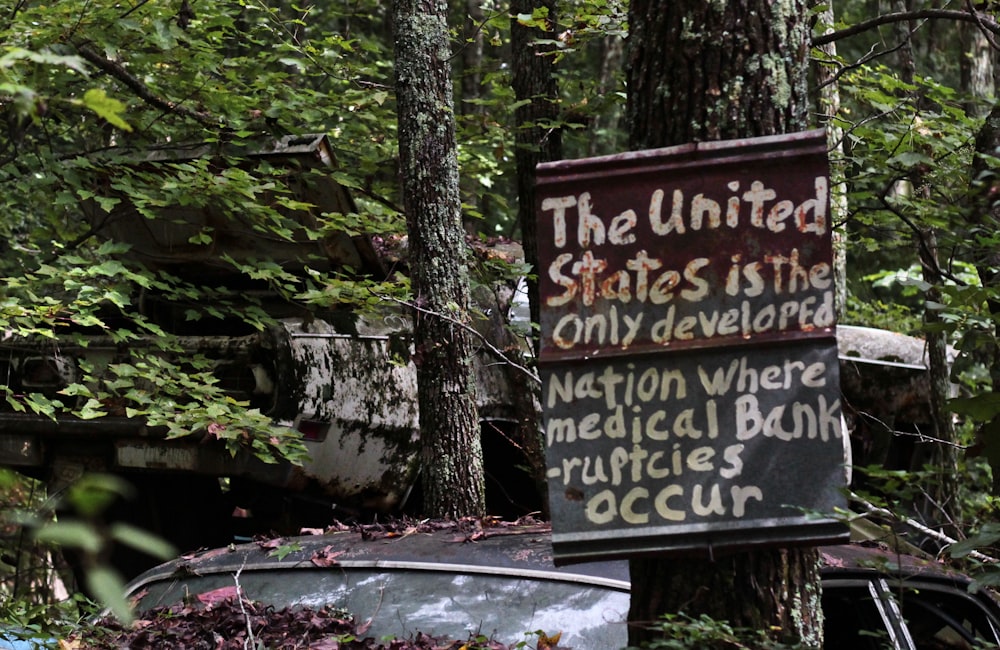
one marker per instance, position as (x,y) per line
(142,540)
(109,589)
(988,535)
(107,107)
(91,410)
(982,407)
(71,534)
(94,493)
(284,550)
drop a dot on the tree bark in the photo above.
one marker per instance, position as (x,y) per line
(700,71)
(829,106)
(985,215)
(534,84)
(533,78)
(698,74)
(451,450)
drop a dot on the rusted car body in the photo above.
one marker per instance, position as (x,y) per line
(346,381)
(501,582)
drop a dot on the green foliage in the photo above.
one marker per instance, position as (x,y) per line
(81,530)
(43,624)
(909,163)
(34,534)
(31,577)
(681,632)
(908,160)
(90,89)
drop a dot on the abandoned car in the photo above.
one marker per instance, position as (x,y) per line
(500,583)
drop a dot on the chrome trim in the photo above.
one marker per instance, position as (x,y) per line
(410,565)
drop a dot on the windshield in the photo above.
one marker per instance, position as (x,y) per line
(457,605)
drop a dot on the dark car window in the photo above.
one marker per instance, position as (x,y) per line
(940,618)
(440,603)
(858,615)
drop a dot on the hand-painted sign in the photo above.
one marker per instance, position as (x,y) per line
(691,386)
(707,244)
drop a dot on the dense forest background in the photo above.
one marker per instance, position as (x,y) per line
(906,90)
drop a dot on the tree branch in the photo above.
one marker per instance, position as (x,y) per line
(871,509)
(982,25)
(133,83)
(494,350)
(984,21)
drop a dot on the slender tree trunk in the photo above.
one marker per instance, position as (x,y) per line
(829,106)
(534,84)
(942,508)
(605,123)
(702,71)
(938,507)
(977,68)
(985,214)
(472,55)
(451,451)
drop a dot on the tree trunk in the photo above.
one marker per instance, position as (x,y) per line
(829,106)
(701,71)
(985,214)
(533,77)
(605,123)
(535,84)
(977,68)
(472,56)
(942,508)
(451,450)
(938,508)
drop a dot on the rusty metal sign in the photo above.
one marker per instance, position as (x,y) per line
(699,245)
(691,381)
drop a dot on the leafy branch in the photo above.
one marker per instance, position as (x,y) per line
(142,91)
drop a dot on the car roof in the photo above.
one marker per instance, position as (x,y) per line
(865,560)
(510,548)
(501,548)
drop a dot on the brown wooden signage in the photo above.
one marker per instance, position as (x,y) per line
(691,387)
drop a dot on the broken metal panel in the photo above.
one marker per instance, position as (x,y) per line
(362,402)
(644,455)
(157,455)
(877,346)
(351,390)
(886,387)
(694,246)
(347,377)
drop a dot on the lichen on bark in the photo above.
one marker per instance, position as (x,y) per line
(697,72)
(451,452)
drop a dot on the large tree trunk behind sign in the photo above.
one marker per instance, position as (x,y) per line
(451,450)
(700,71)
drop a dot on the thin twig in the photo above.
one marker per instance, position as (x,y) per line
(497,352)
(250,642)
(983,28)
(922,437)
(916,525)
